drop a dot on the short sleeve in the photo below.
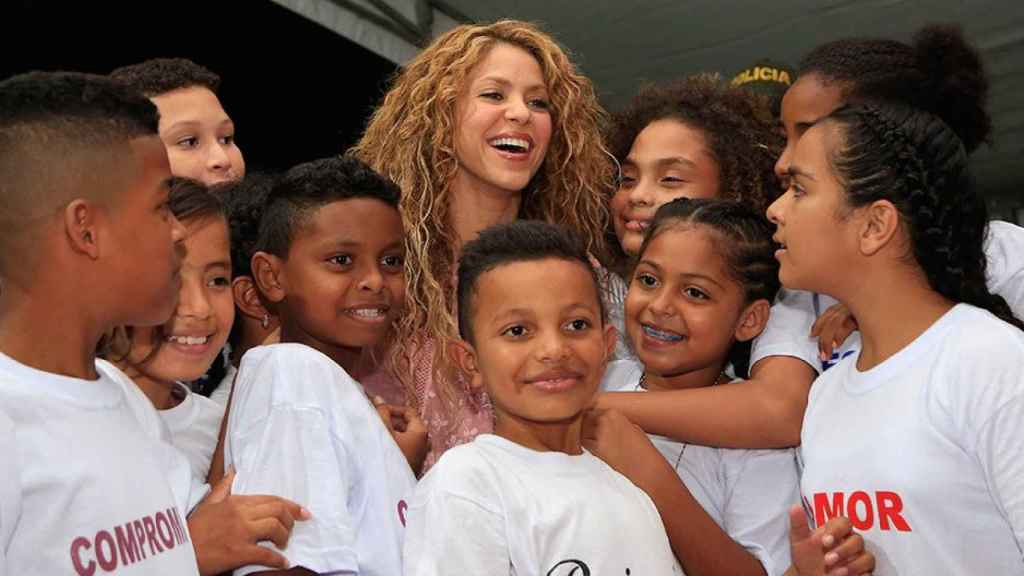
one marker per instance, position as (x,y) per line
(10,489)
(293,454)
(1001,454)
(788,330)
(761,486)
(1004,249)
(452,534)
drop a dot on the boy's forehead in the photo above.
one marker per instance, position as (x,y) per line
(189,103)
(535,285)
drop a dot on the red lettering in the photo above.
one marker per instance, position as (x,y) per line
(76,559)
(890,506)
(126,544)
(106,554)
(823,512)
(179,532)
(147,521)
(141,537)
(169,540)
(860,521)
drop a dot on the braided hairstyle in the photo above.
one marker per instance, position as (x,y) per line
(916,161)
(938,72)
(744,240)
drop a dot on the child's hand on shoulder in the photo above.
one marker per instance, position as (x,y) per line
(832,328)
(226,528)
(610,436)
(832,550)
(408,430)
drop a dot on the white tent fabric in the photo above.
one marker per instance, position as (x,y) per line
(622,43)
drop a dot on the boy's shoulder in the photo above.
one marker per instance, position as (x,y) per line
(294,373)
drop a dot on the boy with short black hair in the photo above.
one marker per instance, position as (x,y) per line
(529,499)
(198,133)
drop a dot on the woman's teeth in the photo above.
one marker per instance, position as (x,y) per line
(189,340)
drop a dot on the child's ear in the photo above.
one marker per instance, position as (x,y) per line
(752,320)
(267,273)
(465,357)
(81,228)
(611,338)
(247,297)
(881,221)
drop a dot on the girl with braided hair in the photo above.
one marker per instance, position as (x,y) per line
(916,438)
(940,73)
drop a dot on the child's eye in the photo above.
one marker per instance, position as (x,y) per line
(578,325)
(672,180)
(626,181)
(695,293)
(340,260)
(517,331)
(496,96)
(646,280)
(393,261)
(189,142)
(227,140)
(219,282)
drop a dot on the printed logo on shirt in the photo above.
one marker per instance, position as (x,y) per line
(107,550)
(402,507)
(835,359)
(884,511)
(573,568)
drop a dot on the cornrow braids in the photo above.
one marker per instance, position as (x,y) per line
(939,72)
(744,242)
(915,160)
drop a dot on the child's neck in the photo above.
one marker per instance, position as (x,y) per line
(701,378)
(70,332)
(476,207)
(349,358)
(892,310)
(563,436)
(159,392)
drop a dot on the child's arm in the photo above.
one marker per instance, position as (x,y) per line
(765,411)
(697,540)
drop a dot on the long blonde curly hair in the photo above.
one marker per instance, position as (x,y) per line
(410,139)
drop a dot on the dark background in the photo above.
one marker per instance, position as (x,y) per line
(295,90)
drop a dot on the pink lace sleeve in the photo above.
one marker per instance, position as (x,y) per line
(470,416)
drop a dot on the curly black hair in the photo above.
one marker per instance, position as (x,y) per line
(162,75)
(307,187)
(244,201)
(914,159)
(938,72)
(738,125)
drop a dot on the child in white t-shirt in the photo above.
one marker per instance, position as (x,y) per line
(934,474)
(330,261)
(529,499)
(691,313)
(688,313)
(88,483)
(160,359)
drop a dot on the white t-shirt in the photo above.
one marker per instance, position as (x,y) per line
(222,392)
(923,452)
(795,311)
(748,493)
(301,428)
(194,425)
(89,484)
(494,507)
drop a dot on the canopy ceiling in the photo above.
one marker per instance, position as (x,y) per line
(620,44)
